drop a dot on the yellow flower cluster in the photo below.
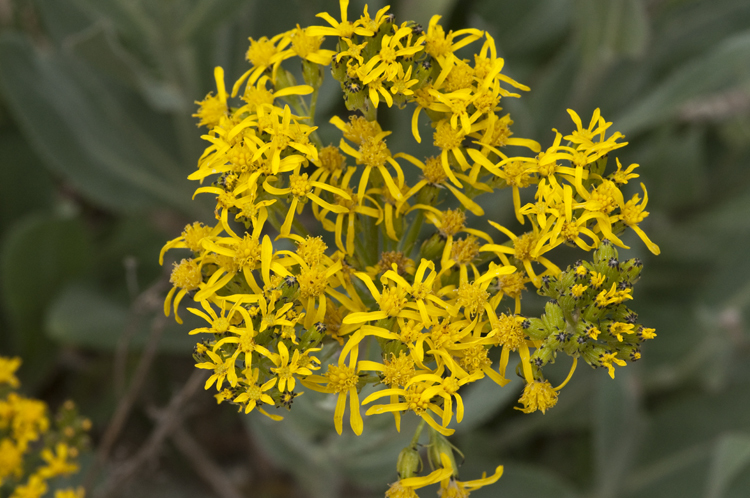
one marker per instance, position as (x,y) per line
(277,310)
(31,452)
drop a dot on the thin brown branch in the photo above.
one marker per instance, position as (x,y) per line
(204,465)
(169,420)
(125,405)
(147,301)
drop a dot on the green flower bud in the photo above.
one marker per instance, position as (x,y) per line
(605,252)
(428,195)
(432,248)
(313,336)
(537,331)
(542,356)
(439,445)
(312,74)
(338,69)
(630,270)
(592,354)
(409,463)
(553,317)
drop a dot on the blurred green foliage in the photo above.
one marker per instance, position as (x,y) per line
(97,138)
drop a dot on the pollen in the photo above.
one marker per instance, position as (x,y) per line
(193,234)
(331,159)
(423,96)
(299,185)
(186,275)
(461,76)
(257,96)
(633,213)
(538,396)
(569,231)
(523,246)
(509,331)
(512,285)
(304,45)
(392,300)
(475,358)
(312,282)
(398,370)
(435,43)
(446,137)
(312,250)
(261,52)
(373,153)
(341,378)
(433,171)
(247,253)
(465,250)
(359,129)
(414,398)
(410,332)
(253,393)
(453,222)
(516,174)
(603,198)
(472,297)
(211,110)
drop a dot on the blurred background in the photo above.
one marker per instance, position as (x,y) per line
(96,141)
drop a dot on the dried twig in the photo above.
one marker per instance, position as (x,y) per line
(170,418)
(203,465)
(125,404)
(147,301)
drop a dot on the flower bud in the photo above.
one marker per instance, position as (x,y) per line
(537,330)
(409,463)
(439,445)
(553,317)
(432,248)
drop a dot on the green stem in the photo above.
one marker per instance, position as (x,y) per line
(417,433)
(407,243)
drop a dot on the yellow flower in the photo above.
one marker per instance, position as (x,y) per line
(264,53)
(307,46)
(537,396)
(57,464)
(301,189)
(524,250)
(405,488)
(34,488)
(79,492)
(442,46)
(633,213)
(373,153)
(451,487)
(434,175)
(343,29)
(254,394)
(287,367)
(342,380)
(8,367)
(213,108)
(11,459)
(222,368)
(607,360)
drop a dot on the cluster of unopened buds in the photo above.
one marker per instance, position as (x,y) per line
(410,295)
(34,449)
